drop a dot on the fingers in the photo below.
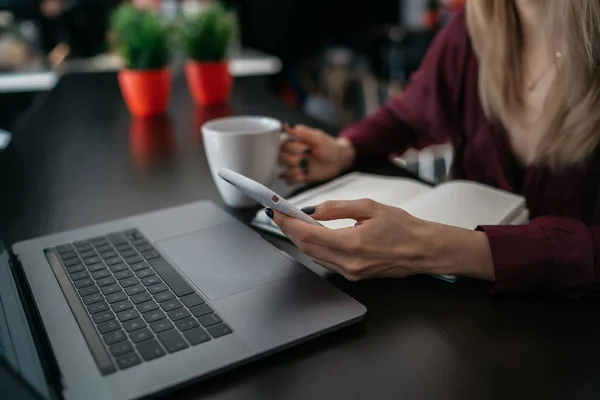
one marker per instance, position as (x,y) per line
(295,175)
(358,210)
(290,160)
(309,136)
(302,233)
(293,147)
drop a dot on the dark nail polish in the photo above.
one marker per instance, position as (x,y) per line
(304,163)
(309,210)
(305,171)
(269,213)
(307,152)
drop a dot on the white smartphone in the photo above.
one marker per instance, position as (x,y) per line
(264,195)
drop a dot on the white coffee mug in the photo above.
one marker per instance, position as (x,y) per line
(247,145)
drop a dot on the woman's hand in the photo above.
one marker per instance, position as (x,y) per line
(313,155)
(387,242)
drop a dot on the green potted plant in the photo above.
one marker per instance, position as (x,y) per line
(142,41)
(205,38)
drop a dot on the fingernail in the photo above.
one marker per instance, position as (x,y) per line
(309,210)
(307,152)
(305,171)
(269,213)
(304,163)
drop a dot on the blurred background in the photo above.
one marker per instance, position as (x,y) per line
(340,60)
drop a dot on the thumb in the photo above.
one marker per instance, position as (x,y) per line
(358,210)
(309,136)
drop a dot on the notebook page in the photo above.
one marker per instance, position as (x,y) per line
(387,190)
(466,205)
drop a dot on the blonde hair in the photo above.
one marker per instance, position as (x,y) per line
(572,107)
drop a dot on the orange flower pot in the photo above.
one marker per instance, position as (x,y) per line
(210,82)
(146,93)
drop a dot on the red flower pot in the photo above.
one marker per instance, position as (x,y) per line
(210,82)
(146,92)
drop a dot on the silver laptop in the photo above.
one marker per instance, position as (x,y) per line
(142,305)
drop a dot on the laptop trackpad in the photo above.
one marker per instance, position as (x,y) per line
(226,259)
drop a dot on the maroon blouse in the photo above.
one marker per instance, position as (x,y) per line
(559,250)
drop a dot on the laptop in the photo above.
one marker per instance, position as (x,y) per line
(143,305)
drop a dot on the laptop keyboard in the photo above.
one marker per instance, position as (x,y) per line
(138,303)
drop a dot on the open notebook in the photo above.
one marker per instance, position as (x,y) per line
(459,203)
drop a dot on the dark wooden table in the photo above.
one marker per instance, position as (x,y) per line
(80,159)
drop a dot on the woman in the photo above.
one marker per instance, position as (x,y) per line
(515,86)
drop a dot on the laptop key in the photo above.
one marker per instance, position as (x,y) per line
(196,336)
(141,297)
(118,267)
(133,260)
(192,300)
(122,306)
(83,247)
(201,310)
(186,324)
(150,349)
(144,273)
(83,283)
(103,317)
(126,273)
(209,320)
(149,255)
(140,241)
(79,275)
(147,306)
(93,298)
(219,330)
(106,281)
(114,297)
(92,260)
(128,253)
(134,324)
(104,273)
(161,326)
(68,255)
(128,360)
(171,305)
(81,243)
(108,254)
(75,268)
(86,291)
(164,296)
(113,261)
(96,268)
(111,289)
(151,280)
(154,316)
(88,253)
(172,340)
(128,315)
(116,238)
(129,282)
(144,247)
(139,266)
(176,315)
(72,262)
(159,287)
(132,290)
(104,248)
(99,241)
(171,277)
(121,348)
(109,326)
(114,337)
(64,248)
(141,335)
(98,307)
(123,247)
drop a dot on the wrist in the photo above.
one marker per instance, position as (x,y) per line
(347,152)
(457,251)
